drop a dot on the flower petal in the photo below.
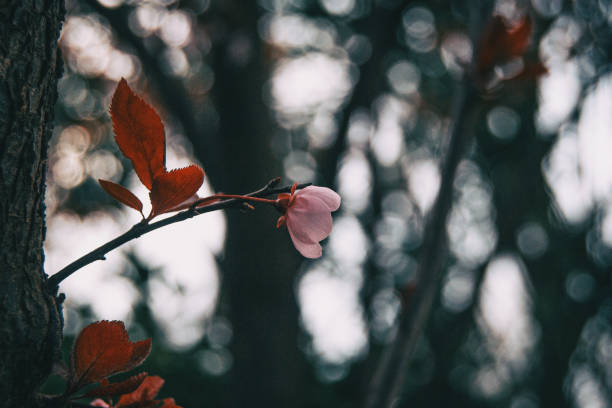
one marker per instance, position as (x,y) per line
(307,249)
(309,219)
(328,196)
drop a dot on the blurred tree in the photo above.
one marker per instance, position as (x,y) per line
(354,94)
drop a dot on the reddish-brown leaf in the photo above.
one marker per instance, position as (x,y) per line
(169,403)
(121,194)
(501,41)
(103,349)
(139,132)
(174,187)
(145,393)
(185,204)
(140,351)
(107,389)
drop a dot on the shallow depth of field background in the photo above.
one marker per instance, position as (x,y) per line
(354,95)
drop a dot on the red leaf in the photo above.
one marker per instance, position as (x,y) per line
(121,194)
(118,388)
(103,349)
(145,393)
(174,187)
(501,41)
(169,403)
(139,133)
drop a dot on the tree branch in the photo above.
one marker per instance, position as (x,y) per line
(143,228)
(389,377)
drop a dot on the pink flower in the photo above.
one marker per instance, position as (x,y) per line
(307,214)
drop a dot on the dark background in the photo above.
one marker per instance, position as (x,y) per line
(354,95)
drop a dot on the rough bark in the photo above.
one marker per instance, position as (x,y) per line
(30,323)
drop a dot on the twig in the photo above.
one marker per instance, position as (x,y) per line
(143,228)
(389,377)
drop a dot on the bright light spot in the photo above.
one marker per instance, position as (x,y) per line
(331,312)
(74,140)
(295,31)
(121,65)
(547,8)
(419,29)
(174,62)
(111,3)
(175,29)
(404,77)
(424,182)
(99,284)
(562,170)
(355,182)
(180,303)
(359,48)
(488,382)
(68,172)
(86,41)
(146,19)
(456,52)
(595,141)
(360,128)
(586,389)
(471,231)
(458,289)
(348,242)
(556,46)
(300,165)
(184,292)
(102,164)
(559,92)
(505,310)
(391,231)
(338,7)
(387,141)
(304,84)
(219,332)
(183,285)
(322,130)
(606,227)
(81,32)
(385,307)
(216,361)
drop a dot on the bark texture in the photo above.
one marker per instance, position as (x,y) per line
(30,323)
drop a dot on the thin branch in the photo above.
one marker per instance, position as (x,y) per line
(143,228)
(389,377)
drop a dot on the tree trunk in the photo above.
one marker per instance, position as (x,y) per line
(30,322)
(259,265)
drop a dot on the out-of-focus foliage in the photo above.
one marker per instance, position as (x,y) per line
(354,95)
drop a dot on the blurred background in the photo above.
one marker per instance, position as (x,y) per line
(354,95)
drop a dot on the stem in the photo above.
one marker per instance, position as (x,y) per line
(143,228)
(388,379)
(242,197)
